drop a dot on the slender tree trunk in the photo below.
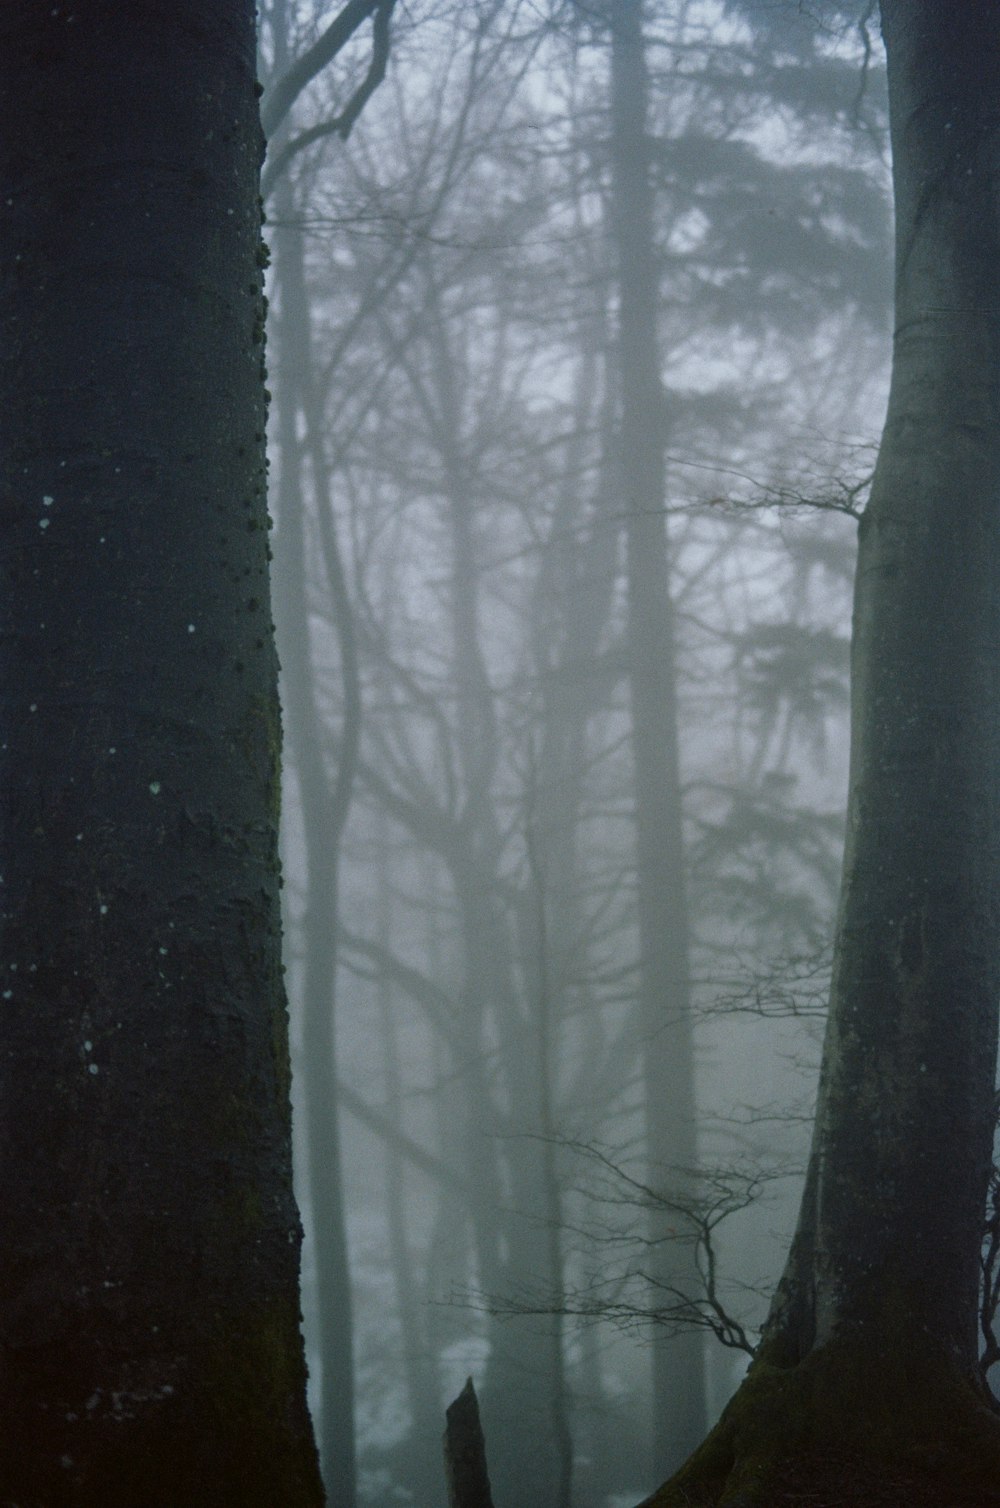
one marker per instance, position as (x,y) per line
(511,1248)
(519,1385)
(547,1038)
(418,1369)
(872,1338)
(668,1072)
(325,801)
(149,1342)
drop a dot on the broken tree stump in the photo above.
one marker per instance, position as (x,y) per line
(465,1453)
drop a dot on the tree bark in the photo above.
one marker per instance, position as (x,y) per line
(872,1337)
(149,1323)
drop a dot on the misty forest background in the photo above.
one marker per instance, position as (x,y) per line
(564,772)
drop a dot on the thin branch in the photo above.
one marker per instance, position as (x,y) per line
(342,124)
(381,1126)
(281,96)
(670,1307)
(866,42)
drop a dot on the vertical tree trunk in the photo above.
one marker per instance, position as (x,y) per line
(904,1128)
(149,1264)
(872,1339)
(512,1251)
(419,1370)
(668,1072)
(325,802)
(547,1049)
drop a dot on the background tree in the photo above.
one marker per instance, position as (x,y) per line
(149,1315)
(679,1405)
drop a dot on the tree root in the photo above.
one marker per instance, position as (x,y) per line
(848,1427)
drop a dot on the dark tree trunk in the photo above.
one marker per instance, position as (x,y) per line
(149,1324)
(664,981)
(465,1453)
(872,1339)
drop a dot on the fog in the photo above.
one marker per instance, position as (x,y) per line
(578,351)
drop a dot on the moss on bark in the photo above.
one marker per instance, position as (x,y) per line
(854,1423)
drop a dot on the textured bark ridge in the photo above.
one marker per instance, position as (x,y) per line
(870,1350)
(149,1343)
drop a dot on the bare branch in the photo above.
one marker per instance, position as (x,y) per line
(697,1217)
(281,99)
(382,1127)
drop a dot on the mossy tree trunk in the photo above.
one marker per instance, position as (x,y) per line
(871,1343)
(149,1325)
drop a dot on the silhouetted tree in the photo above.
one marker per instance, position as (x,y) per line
(149,1318)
